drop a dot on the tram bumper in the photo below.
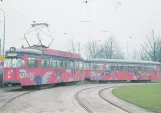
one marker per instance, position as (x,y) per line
(12,83)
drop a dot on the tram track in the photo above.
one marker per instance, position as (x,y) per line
(112,103)
(80,102)
(100,95)
(13,98)
(22,94)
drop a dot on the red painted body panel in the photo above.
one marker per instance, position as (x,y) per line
(122,75)
(28,77)
(61,53)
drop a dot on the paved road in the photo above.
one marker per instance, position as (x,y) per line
(62,100)
(7,93)
(92,100)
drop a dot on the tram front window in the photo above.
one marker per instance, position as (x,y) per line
(14,63)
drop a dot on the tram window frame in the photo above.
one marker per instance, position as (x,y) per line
(123,67)
(86,66)
(36,61)
(92,66)
(120,67)
(71,64)
(159,67)
(109,66)
(20,63)
(149,68)
(52,60)
(58,64)
(43,62)
(63,64)
(140,67)
(76,64)
(131,68)
(99,66)
(16,62)
(80,65)
(113,67)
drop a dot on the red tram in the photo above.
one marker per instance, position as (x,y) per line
(121,70)
(39,65)
(36,66)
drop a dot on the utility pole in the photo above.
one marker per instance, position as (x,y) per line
(111,50)
(0,47)
(128,47)
(3,31)
(78,47)
(154,50)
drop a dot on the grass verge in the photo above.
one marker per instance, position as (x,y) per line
(147,96)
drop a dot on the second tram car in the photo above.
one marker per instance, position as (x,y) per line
(121,70)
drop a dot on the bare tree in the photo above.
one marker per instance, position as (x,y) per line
(151,49)
(135,55)
(73,46)
(92,49)
(107,50)
(111,50)
(142,54)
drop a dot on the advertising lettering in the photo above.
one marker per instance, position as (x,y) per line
(24,74)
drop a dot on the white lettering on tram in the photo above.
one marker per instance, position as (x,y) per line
(24,74)
(93,74)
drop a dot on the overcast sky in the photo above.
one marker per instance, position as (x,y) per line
(122,19)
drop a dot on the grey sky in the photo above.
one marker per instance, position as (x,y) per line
(134,18)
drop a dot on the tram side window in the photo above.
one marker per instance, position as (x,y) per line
(87,66)
(70,65)
(92,65)
(140,68)
(20,63)
(14,63)
(159,67)
(45,62)
(131,68)
(63,64)
(66,64)
(76,65)
(99,66)
(108,66)
(114,67)
(80,65)
(149,68)
(59,64)
(52,63)
(33,62)
(120,68)
(153,68)
(123,68)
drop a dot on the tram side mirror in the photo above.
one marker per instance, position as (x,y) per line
(12,49)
